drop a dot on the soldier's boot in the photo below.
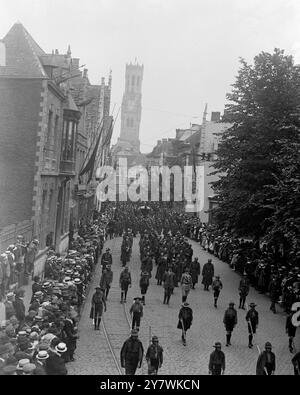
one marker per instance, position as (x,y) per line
(291,344)
(98,324)
(228,340)
(250,345)
(216,299)
(168,299)
(143,300)
(122,297)
(165,299)
(125,296)
(240,305)
(95,324)
(184,297)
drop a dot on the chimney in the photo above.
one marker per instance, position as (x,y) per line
(2,54)
(215,116)
(85,73)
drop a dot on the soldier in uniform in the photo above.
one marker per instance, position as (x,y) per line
(106,259)
(106,279)
(154,356)
(98,301)
(168,280)
(243,291)
(252,320)
(144,284)
(230,321)
(216,365)
(186,284)
(195,271)
(136,311)
(132,353)
(266,362)
(125,282)
(217,286)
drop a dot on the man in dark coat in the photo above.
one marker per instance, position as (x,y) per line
(154,356)
(168,280)
(216,365)
(70,337)
(185,317)
(161,268)
(230,321)
(266,362)
(106,259)
(36,286)
(208,274)
(217,285)
(252,319)
(144,284)
(195,271)
(55,365)
(19,306)
(132,353)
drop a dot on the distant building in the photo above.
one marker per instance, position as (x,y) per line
(128,144)
(193,146)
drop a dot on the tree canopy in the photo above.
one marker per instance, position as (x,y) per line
(259,154)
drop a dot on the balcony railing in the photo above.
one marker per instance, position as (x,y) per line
(67,167)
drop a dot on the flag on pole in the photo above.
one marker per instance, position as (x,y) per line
(89,167)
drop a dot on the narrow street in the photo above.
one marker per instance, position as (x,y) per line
(94,357)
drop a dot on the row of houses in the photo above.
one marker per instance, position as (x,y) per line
(194,146)
(52,119)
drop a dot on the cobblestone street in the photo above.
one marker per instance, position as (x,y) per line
(93,355)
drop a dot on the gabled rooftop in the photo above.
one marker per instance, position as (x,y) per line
(22,55)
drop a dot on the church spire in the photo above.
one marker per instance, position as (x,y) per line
(69,51)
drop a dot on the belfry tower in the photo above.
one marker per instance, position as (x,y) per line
(132,107)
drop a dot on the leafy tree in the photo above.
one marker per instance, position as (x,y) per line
(264,112)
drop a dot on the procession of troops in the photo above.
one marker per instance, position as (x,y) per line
(43,341)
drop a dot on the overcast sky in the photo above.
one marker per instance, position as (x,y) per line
(189,48)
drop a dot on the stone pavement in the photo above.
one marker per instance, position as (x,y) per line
(93,355)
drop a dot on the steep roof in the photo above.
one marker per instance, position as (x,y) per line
(22,55)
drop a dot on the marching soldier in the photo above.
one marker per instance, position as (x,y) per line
(132,353)
(106,279)
(243,291)
(136,311)
(195,271)
(125,282)
(252,320)
(217,286)
(144,284)
(216,365)
(154,356)
(230,321)
(186,284)
(185,317)
(98,301)
(266,362)
(168,280)
(106,259)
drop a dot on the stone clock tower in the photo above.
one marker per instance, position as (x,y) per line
(132,107)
